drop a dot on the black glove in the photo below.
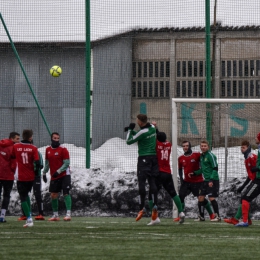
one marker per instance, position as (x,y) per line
(239,189)
(55,175)
(254,169)
(126,129)
(131,126)
(44,177)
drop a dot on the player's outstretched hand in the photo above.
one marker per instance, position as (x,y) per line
(44,177)
(239,189)
(131,126)
(190,174)
(55,175)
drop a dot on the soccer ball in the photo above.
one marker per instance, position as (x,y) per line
(55,71)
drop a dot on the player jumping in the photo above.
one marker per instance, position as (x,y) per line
(147,166)
(163,150)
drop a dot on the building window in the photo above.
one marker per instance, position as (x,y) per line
(151,79)
(190,78)
(239,78)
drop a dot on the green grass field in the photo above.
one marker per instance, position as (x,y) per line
(123,238)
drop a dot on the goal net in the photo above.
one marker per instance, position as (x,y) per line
(224,123)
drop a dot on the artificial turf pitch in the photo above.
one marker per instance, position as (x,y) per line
(123,238)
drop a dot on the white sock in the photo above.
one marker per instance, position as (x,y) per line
(3,211)
(68,212)
(56,213)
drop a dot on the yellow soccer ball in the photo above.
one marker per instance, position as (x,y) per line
(55,71)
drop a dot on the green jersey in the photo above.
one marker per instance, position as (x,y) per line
(208,166)
(146,138)
(41,164)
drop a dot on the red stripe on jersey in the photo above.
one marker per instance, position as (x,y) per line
(190,163)
(26,154)
(249,163)
(163,151)
(55,156)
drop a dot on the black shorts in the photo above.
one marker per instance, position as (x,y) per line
(7,186)
(252,191)
(24,187)
(210,191)
(190,187)
(61,184)
(165,180)
(147,166)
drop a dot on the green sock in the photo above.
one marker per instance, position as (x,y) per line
(178,203)
(150,203)
(208,208)
(55,205)
(183,205)
(26,209)
(67,200)
(239,212)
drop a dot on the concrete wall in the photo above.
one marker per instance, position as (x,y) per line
(111,108)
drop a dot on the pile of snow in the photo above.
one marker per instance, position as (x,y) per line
(110,187)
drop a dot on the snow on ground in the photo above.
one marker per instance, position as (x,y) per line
(64,20)
(110,187)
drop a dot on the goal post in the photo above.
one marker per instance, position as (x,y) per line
(233,120)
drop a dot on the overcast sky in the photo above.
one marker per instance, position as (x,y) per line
(64,20)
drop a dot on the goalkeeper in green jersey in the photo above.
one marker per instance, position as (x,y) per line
(210,186)
(147,166)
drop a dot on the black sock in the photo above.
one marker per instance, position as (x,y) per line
(215,206)
(201,208)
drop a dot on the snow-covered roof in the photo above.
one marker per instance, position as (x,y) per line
(64,20)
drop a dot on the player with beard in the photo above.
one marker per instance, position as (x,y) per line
(190,162)
(57,160)
(210,186)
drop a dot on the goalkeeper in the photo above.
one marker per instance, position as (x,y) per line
(147,166)
(250,161)
(253,189)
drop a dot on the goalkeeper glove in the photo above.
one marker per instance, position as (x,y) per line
(55,175)
(44,177)
(126,129)
(131,126)
(254,169)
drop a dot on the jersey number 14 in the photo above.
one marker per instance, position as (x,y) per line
(165,155)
